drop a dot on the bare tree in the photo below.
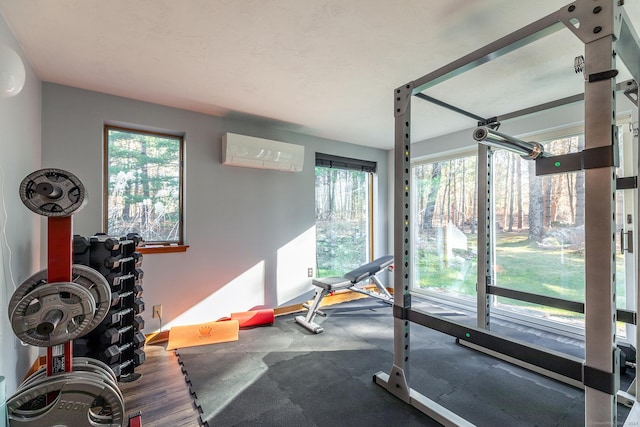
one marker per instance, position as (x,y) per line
(579,214)
(434,188)
(519,191)
(536,205)
(512,161)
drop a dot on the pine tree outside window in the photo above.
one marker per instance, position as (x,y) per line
(143,185)
(344,213)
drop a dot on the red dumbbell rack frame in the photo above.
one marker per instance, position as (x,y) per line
(59,265)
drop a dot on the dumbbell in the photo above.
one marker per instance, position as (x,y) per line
(81,250)
(115,298)
(138,274)
(137,290)
(114,262)
(127,247)
(136,238)
(82,347)
(139,357)
(126,367)
(119,281)
(115,315)
(126,295)
(137,256)
(138,306)
(127,265)
(114,279)
(139,339)
(111,354)
(127,282)
(138,323)
(102,241)
(120,369)
(112,335)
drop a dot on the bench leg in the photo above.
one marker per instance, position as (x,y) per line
(381,288)
(307,321)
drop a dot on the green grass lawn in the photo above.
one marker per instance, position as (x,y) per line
(520,265)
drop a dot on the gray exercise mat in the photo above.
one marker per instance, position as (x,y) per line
(283,375)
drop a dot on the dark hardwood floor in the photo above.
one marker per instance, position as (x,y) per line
(161,394)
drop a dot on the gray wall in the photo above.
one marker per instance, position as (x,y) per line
(249,230)
(19,228)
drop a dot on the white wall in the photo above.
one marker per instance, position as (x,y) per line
(19,228)
(245,227)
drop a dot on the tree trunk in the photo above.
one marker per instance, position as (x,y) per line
(506,192)
(434,187)
(474,213)
(448,198)
(463,194)
(519,191)
(536,228)
(580,189)
(547,201)
(570,188)
(454,202)
(512,183)
(145,182)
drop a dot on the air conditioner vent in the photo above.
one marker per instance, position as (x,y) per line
(251,152)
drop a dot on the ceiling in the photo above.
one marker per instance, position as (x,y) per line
(322,67)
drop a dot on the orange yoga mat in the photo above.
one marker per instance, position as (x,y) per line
(203,334)
(254,318)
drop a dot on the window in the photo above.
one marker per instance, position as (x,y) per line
(445,227)
(143,181)
(343,214)
(538,231)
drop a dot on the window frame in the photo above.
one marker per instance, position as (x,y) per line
(353,164)
(155,246)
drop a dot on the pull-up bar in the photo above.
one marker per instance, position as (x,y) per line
(527,150)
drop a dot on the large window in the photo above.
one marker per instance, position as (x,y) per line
(143,181)
(343,214)
(538,234)
(445,226)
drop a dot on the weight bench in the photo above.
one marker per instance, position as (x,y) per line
(349,281)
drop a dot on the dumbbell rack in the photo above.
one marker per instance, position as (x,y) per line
(59,267)
(52,308)
(118,340)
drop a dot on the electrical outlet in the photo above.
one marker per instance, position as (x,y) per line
(157,311)
(310,272)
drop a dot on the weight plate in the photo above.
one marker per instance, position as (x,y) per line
(52,192)
(53,314)
(100,365)
(97,284)
(80,364)
(85,276)
(91,372)
(75,400)
(27,286)
(85,373)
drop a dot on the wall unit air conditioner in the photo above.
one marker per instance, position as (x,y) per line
(251,152)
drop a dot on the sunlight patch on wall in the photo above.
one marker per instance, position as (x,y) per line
(241,294)
(293,284)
